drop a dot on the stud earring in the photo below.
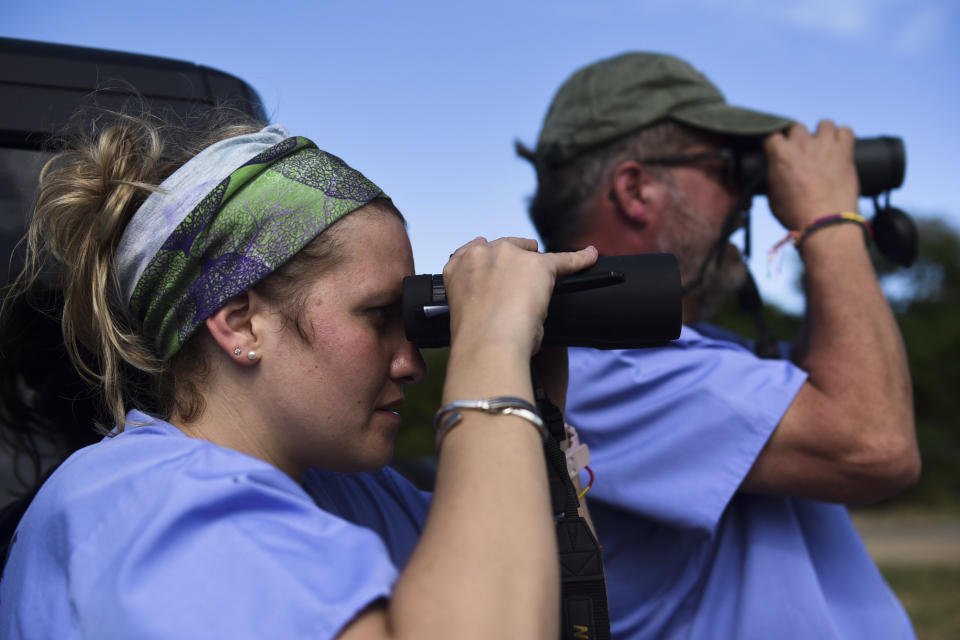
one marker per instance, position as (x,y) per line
(252,355)
(237,351)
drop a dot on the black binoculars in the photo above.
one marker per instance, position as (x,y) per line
(621,302)
(881,164)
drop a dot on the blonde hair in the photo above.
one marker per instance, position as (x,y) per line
(87,194)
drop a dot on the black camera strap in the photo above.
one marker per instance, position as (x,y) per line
(583,588)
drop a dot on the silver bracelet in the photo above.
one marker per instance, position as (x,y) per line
(449,416)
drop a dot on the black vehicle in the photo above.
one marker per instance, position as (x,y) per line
(42,87)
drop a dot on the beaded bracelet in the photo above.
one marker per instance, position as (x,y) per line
(449,416)
(799,237)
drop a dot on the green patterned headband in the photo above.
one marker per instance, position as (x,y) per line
(251,222)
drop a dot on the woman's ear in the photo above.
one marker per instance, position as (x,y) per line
(633,192)
(235,327)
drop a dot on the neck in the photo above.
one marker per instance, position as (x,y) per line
(229,419)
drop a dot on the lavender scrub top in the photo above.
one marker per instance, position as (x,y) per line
(672,433)
(152,534)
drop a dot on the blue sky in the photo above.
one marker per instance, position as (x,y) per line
(426,98)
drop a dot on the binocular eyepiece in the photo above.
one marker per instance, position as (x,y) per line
(621,302)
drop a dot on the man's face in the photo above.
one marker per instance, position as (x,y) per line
(699,201)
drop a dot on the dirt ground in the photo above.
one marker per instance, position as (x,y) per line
(910,538)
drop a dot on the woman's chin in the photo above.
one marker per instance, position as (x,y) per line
(379,456)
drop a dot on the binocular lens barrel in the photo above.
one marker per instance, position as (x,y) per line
(881,166)
(621,302)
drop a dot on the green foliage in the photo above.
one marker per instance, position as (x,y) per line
(781,325)
(927,297)
(935,276)
(930,596)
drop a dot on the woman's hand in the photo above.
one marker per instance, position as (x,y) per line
(487,554)
(499,291)
(476,535)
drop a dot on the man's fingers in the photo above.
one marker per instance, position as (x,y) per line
(797,130)
(826,128)
(777,139)
(845,134)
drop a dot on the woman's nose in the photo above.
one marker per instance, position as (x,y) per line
(408,365)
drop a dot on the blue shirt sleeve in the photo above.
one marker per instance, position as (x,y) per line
(674,430)
(384,502)
(170,537)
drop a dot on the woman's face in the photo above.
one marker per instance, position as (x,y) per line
(335,397)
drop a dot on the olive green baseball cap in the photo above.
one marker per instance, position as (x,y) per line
(623,94)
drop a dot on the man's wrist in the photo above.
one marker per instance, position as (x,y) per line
(833,220)
(843,219)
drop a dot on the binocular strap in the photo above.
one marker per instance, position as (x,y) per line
(583,589)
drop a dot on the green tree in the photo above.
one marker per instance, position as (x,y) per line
(927,300)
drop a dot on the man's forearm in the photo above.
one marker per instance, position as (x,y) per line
(848,436)
(856,359)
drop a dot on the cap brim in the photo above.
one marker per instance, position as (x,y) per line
(730,120)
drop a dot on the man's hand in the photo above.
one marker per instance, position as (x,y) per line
(811,175)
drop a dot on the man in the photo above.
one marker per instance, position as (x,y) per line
(720,476)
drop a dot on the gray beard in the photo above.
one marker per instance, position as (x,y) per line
(718,283)
(690,236)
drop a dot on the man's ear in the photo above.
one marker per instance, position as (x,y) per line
(236,329)
(633,191)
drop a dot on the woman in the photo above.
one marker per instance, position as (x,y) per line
(258,284)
